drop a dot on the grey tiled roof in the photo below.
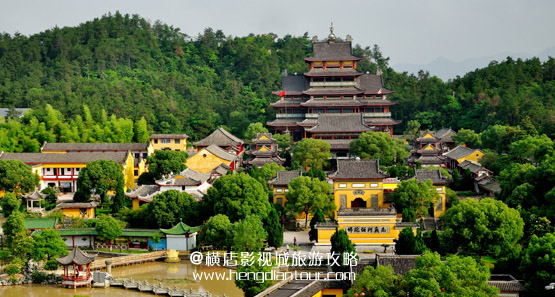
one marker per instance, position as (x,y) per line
(268,135)
(172,136)
(344,122)
(190,178)
(36,195)
(506,283)
(293,84)
(338,144)
(445,134)
(371,84)
(421,135)
(358,169)
(381,121)
(221,169)
(474,167)
(376,102)
(284,177)
(221,153)
(69,147)
(283,122)
(332,102)
(73,157)
(287,102)
(76,256)
(434,175)
(331,51)
(401,264)
(308,122)
(144,191)
(92,204)
(219,137)
(459,152)
(261,160)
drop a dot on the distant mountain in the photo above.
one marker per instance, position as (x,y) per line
(447,69)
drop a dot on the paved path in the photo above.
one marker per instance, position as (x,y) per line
(289,236)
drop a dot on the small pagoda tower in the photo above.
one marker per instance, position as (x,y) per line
(77,270)
(181,237)
(263,151)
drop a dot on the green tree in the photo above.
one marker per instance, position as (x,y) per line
(169,207)
(48,244)
(467,137)
(306,195)
(317,217)
(264,173)
(413,127)
(252,286)
(486,227)
(284,141)
(236,196)
(457,276)
(165,162)
(108,228)
(16,177)
(217,232)
(23,246)
(248,234)
(141,131)
(9,204)
(537,263)
(341,245)
(100,176)
(374,145)
(13,225)
(273,228)
(376,282)
(253,129)
(311,153)
(414,195)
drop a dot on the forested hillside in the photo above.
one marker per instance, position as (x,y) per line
(132,68)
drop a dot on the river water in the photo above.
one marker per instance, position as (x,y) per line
(170,274)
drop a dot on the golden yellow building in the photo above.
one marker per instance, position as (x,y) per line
(61,170)
(207,159)
(440,182)
(84,210)
(460,154)
(173,142)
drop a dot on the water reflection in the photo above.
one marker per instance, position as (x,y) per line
(170,274)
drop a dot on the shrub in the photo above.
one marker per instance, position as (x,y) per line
(51,264)
(12,269)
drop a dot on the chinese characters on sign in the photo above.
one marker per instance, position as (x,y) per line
(367,229)
(234,259)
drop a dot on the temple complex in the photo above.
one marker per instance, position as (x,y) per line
(333,101)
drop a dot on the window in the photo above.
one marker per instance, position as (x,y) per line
(155,140)
(439,189)
(48,169)
(279,190)
(165,141)
(279,201)
(373,185)
(136,155)
(342,185)
(176,141)
(286,190)
(136,172)
(358,185)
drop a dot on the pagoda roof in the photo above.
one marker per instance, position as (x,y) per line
(333,72)
(332,90)
(76,257)
(288,103)
(445,134)
(283,178)
(430,160)
(434,175)
(381,121)
(308,122)
(219,137)
(47,147)
(334,122)
(261,160)
(171,136)
(180,229)
(358,170)
(40,223)
(433,137)
(268,138)
(338,144)
(372,84)
(35,195)
(331,51)
(332,102)
(283,122)
(65,158)
(293,84)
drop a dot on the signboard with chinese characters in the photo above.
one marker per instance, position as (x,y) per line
(367,229)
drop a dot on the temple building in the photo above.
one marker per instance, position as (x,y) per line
(225,140)
(263,151)
(173,142)
(440,182)
(77,271)
(280,185)
(460,154)
(429,147)
(332,91)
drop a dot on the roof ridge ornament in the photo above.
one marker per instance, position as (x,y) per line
(331,37)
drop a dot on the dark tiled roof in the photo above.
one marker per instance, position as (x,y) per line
(372,84)
(445,134)
(474,167)
(506,283)
(429,159)
(287,103)
(331,51)
(50,158)
(434,175)
(92,204)
(358,169)
(459,152)
(338,144)
(332,102)
(219,137)
(381,121)
(308,122)
(344,122)
(144,192)
(332,91)
(429,139)
(172,136)
(376,102)
(221,153)
(293,84)
(401,264)
(284,177)
(69,147)
(283,122)
(260,160)
(36,195)
(333,72)
(221,169)
(490,185)
(76,256)
(189,178)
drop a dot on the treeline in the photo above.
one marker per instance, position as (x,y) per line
(133,68)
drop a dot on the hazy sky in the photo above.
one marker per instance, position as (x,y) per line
(406,30)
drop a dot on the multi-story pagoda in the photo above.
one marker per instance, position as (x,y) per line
(333,101)
(263,151)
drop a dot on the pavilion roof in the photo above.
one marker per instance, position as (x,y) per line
(331,51)
(283,178)
(180,229)
(36,195)
(219,137)
(76,257)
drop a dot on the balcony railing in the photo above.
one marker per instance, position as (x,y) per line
(377,114)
